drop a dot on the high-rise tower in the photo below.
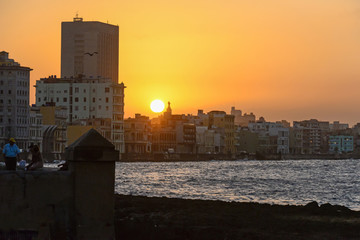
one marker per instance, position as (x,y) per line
(90,49)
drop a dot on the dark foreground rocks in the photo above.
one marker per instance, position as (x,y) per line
(165,218)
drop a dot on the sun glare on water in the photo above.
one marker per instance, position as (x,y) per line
(157,106)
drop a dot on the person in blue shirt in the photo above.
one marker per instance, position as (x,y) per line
(11,154)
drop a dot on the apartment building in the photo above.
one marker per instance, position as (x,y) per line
(14,101)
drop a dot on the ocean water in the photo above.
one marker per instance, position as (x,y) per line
(295,182)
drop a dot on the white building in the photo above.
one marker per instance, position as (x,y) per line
(14,101)
(86,99)
(90,49)
(270,129)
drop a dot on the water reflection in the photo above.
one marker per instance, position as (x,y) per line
(280,182)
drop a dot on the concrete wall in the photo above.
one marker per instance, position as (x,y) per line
(40,201)
(73,204)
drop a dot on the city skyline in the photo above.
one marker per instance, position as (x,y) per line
(280,60)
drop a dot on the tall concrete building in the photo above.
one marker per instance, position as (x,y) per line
(90,49)
(14,101)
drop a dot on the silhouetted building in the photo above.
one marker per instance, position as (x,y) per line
(223,123)
(89,48)
(14,101)
(137,135)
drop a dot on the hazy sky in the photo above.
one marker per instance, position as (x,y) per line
(281,59)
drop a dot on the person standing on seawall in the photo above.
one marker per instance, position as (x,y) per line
(11,154)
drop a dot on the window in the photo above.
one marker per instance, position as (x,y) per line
(84,99)
(39,99)
(57,99)
(84,90)
(93,90)
(84,107)
(99,107)
(107,99)
(76,90)
(9,91)
(76,108)
(107,108)
(76,99)
(107,90)
(64,99)
(93,100)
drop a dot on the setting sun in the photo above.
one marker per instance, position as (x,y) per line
(157,106)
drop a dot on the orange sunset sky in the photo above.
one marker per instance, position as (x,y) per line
(281,59)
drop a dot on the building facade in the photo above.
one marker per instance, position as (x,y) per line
(314,135)
(54,131)
(341,144)
(224,124)
(89,48)
(36,127)
(273,137)
(86,98)
(137,136)
(14,101)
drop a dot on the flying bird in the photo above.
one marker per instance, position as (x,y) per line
(90,54)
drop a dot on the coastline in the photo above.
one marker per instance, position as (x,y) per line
(140,217)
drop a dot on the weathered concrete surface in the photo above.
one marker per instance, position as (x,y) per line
(164,218)
(75,204)
(39,201)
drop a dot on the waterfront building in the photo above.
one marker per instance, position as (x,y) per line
(89,48)
(341,144)
(86,98)
(246,141)
(173,133)
(14,101)
(223,123)
(186,138)
(273,137)
(35,127)
(315,135)
(54,131)
(207,141)
(296,140)
(137,136)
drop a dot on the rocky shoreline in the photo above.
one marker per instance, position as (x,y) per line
(138,217)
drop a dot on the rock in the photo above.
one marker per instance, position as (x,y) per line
(312,205)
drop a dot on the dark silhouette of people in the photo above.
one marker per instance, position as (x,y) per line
(11,154)
(36,159)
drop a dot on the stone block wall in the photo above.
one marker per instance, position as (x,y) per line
(73,204)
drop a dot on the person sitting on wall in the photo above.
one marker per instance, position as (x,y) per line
(11,154)
(36,159)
